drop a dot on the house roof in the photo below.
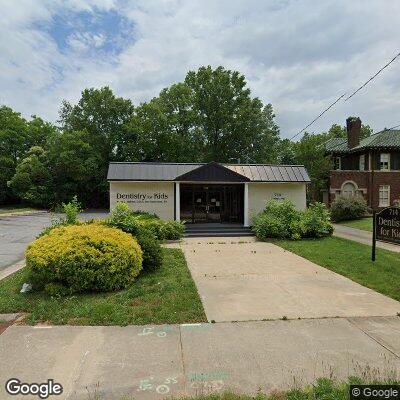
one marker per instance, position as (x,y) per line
(137,171)
(387,139)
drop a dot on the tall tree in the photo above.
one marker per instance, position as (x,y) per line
(105,118)
(17,136)
(230,122)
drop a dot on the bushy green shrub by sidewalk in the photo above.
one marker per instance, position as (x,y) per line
(84,258)
(279,219)
(282,220)
(132,222)
(343,208)
(315,221)
(152,252)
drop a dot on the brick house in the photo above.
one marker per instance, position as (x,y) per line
(369,167)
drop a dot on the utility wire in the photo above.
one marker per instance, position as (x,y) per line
(361,87)
(319,116)
(373,77)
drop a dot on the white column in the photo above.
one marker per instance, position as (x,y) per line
(177,202)
(246,205)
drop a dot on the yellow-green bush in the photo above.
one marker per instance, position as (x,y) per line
(85,258)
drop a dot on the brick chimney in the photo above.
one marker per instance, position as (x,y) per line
(353,131)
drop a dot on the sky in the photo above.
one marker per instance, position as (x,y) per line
(298,55)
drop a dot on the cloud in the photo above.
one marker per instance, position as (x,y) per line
(298,55)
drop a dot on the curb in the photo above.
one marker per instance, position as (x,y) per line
(4,273)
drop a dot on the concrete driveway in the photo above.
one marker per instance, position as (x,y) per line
(17,232)
(241,279)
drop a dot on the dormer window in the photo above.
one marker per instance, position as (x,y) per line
(384,161)
(362,162)
(337,163)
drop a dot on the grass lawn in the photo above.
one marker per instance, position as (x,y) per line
(165,296)
(352,260)
(322,389)
(364,224)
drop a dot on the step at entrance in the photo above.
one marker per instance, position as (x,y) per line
(217,230)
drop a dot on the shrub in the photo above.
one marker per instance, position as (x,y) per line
(173,230)
(134,223)
(315,221)
(282,220)
(71,211)
(279,219)
(85,258)
(152,253)
(343,208)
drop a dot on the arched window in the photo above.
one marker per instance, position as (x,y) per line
(349,189)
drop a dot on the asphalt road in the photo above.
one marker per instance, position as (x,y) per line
(17,232)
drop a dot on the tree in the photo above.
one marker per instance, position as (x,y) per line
(32,179)
(230,123)
(68,167)
(13,137)
(104,117)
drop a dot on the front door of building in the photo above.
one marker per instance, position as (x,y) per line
(211,203)
(207,204)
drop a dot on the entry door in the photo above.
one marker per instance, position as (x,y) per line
(214,204)
(207,204)
(200,204)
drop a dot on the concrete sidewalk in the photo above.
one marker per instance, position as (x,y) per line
(240,279)
(150,362)
(363,237)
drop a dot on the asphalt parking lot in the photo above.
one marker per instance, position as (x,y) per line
(17,232)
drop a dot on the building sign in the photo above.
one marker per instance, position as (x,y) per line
(279,196)
(386,227)
(142,197)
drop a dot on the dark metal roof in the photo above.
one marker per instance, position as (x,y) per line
(137,171)
(387,139)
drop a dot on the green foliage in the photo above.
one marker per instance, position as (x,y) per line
(343,208)
(72,210)
(152,252)
(173,230)
(315,221)
(133,222)
(85,258)
(17,136)
(282,220)
(168,295)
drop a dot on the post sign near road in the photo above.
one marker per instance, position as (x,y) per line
(386,227)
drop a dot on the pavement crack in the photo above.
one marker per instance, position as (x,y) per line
(374,339)
(182,360)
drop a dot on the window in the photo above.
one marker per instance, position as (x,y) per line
(349,190)
(384,196)
(337,163)
(362,162)
(385,160)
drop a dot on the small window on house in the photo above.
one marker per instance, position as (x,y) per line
(384,196)
(349,190)
(385,161)
(337,163)
(362,162)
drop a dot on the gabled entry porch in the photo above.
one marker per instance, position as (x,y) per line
(212,194)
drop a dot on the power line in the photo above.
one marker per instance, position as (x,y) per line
(319,116)
(373,77)
(356,91)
